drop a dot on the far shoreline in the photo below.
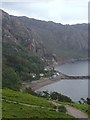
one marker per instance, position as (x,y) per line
(35,85)
(59,63)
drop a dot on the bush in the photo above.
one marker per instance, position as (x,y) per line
(10,79)
(62,109)
(59,97)
(30,91)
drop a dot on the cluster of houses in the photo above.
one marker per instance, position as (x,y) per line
(47,69)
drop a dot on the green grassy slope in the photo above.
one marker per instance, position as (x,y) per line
(11,110)
(15,110)
(24,98)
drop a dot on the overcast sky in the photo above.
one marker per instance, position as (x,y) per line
(60,11)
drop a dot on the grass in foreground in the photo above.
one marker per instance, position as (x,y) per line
(11,110)
(15,110)
(24,98)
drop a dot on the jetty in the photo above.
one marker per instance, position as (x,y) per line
(35,85)
(68,77)
(75,77)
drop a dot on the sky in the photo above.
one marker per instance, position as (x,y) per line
(59,11)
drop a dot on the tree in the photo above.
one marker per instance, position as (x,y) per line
(30,91)
(62,109)
(46,94)
(10,79)
(80,102)
(54,95)
(88,101)
(83,100)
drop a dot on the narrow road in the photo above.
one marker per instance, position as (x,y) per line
(28,105)
(73,111)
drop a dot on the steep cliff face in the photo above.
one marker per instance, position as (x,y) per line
(46,38)
(15,32)
(63,40)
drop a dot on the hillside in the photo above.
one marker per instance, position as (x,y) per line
(42,37)
(66,41)
(29,45)
(23,56)
(28,106)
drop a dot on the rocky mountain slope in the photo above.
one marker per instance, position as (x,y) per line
(46,38)
(29,45)
(66,41)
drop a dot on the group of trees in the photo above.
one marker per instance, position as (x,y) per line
(54,96)
(19,65)
(10,78)
(84,101)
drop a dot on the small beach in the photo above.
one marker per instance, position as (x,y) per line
(77,74)
(41,83)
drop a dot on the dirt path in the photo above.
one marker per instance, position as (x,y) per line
(73,111)
(24,104)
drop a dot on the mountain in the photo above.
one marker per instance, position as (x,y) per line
(41,37)
(66,41)
(29,45)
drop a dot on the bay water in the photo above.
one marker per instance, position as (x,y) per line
(75,89)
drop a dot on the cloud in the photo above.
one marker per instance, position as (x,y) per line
(61,11)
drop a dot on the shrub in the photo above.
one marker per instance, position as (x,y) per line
(10,79)
(62,109)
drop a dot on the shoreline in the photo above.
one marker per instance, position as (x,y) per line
(35,85)
(59,63)
(41,83)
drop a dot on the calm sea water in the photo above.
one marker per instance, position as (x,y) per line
(75,89)
(75,68)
